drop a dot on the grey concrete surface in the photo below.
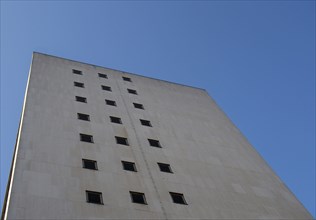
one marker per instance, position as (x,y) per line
(217,170)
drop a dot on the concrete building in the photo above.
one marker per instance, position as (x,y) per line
(99,143)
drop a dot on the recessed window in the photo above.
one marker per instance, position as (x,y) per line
(106,88)
(137,105)
(86,138)
(110,102)
(84,117)
(101,75)
(145,122)
(178,198)
(94,197)
(154,143)
(121,140)
(115,120)
(132,91)
(76,72)
(79,84)
(126,79)
(130,166)
(138,197)
(165,167)
(89,164)
(81,99)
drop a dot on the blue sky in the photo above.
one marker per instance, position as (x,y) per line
(255,58)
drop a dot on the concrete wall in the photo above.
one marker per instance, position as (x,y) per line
(217,170)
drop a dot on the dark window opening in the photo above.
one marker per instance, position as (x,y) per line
(81,99)
(110,102)
(137,105)
(165,167)
(76,72)
(79,84)
(86,138)
(106,88)
(132,91)
(145,122)
(83,117)
(115,120)
(101,75)
(121,140)
(178,198)
(89,164)
(130,166)
(94,197)
(138,197)
(154,143)
(126,79)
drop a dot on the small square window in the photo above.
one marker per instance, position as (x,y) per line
(76,72)
(145,122)
(86,138)
(79,84)
(165,167)
(81,99)
(101,75)
(115,120)
(121,140)
(83,117)
(94,197)
(126,79)
(110,102)
(130,166)
(132,91)
(178,198)
(89,164)
(154,143)
(137,105)
(138,197)
(106,88)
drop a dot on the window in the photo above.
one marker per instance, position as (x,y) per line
(145,122)
(138,197)
(132,91)
(89,164)
(121,140)
(81,99)
(110,102)
(83,117)
(154,143)
(165,167)
(137,105)
(94,197)
(126,79)
(115,120)
(79,84)
(76,72)
(178,198)
(101,75)
(106,88)
(130,166)
(86,138)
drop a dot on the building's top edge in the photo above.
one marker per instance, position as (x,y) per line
(118,70)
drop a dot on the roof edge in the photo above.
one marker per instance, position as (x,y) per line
(58,57)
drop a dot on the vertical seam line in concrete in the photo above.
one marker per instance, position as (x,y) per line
(142,151)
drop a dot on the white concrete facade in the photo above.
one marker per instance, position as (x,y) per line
(219,173)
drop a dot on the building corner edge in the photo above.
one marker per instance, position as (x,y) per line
(7,195)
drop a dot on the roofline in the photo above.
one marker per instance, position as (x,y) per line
(35,52)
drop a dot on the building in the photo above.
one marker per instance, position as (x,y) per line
(100,143)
